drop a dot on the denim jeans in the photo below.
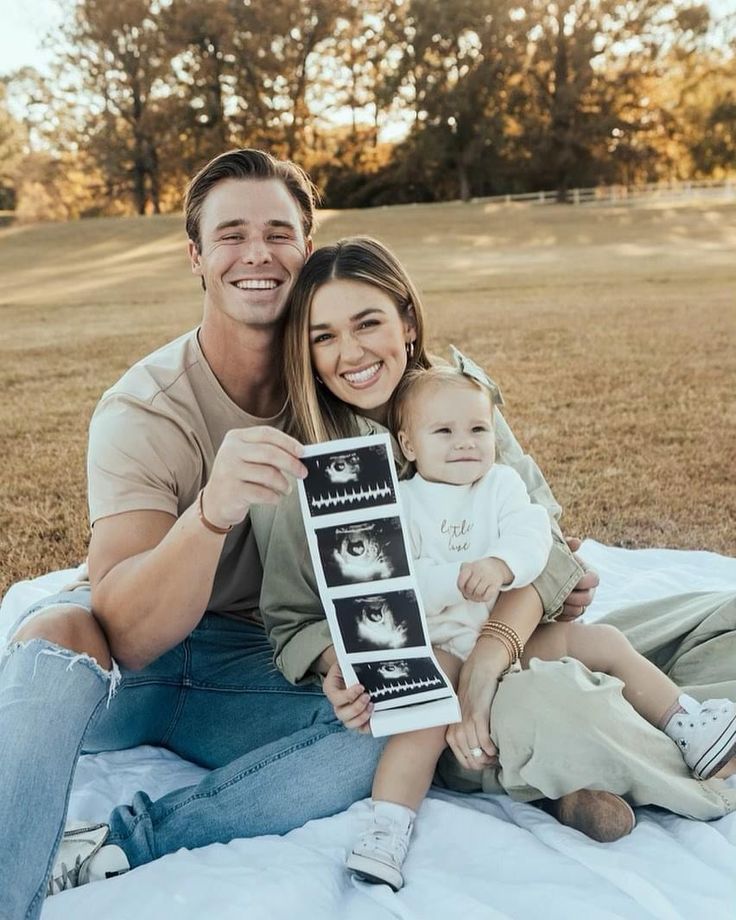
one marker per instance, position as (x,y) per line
(278,756)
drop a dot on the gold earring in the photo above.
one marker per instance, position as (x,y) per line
(410,350)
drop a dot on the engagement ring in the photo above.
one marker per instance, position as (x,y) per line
(476,752)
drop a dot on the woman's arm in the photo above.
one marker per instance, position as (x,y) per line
(290,605)
(521,610)
(565,588)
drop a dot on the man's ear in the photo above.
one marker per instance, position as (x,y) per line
(406,446)
(194,259)
(308,248)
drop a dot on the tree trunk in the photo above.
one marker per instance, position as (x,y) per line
(463,180)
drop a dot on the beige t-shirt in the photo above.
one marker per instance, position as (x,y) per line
(152,443)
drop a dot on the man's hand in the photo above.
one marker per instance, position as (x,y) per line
(252,466)
(582,594)
(483,579)
(352,705)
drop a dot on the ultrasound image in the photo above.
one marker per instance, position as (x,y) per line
(361,552)
(349,480)
(380,621)
(387,680)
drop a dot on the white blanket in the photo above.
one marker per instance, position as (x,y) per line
(471,856)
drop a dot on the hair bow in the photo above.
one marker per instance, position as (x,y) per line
(469,368)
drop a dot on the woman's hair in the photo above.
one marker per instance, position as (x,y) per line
(315,414)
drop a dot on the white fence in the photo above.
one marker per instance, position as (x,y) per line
(723,189)
(623,194)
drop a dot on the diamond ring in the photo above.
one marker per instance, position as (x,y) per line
(476,752)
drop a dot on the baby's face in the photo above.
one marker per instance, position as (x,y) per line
(450,433)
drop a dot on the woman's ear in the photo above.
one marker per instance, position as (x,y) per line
(406,446)
(410,325)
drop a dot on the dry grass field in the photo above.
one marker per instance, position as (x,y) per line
(612,331)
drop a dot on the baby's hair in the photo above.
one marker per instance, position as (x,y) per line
(416,379)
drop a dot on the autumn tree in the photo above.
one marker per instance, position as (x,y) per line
(11,152)
(115,65)
(587,60)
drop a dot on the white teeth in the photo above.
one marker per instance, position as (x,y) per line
(362,376)
(253,284)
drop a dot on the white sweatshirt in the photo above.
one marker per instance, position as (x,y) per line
(450,524)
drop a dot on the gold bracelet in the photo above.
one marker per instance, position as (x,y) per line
(508,631)
(497,628)
(213,528)
(505,643)
(494,626)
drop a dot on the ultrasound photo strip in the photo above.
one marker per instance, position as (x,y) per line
(362,565)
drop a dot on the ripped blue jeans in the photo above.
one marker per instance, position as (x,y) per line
(278,756)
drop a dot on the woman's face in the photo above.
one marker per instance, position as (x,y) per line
(358,344)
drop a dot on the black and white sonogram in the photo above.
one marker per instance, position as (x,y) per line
(379,621)
(348,480)
(387,680)
(365,551)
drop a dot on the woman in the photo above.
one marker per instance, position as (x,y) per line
(355,326)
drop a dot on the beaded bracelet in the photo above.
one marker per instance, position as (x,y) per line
(506,643)
(496,628)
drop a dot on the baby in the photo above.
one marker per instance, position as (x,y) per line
(474,533)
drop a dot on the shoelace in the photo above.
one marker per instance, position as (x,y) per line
(69,878)
(386,841)
(705,712)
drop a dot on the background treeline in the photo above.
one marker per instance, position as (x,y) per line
(383,101)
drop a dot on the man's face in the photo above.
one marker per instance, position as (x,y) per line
(252,249)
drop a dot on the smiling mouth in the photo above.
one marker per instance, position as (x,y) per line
(257,284)
(358,378)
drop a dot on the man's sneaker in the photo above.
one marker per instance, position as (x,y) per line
(705,733)
(83,857)
(380,852)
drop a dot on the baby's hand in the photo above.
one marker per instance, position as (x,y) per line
(483,579)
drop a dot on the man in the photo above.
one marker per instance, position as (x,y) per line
(180,448)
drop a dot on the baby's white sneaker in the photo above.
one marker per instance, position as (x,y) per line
(705,733)
(380,852)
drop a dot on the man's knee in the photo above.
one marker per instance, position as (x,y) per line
(70,627)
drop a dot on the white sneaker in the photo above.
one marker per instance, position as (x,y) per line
(83,857)
(705,734)
(380,852)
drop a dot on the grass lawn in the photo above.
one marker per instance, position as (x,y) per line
(611,330)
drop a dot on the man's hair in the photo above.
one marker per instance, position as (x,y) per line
(417,379)
(247,163)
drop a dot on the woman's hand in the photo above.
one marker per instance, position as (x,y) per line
(352,705)
(476,689)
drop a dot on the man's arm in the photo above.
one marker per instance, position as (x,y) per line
(151,577)
(152,573)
